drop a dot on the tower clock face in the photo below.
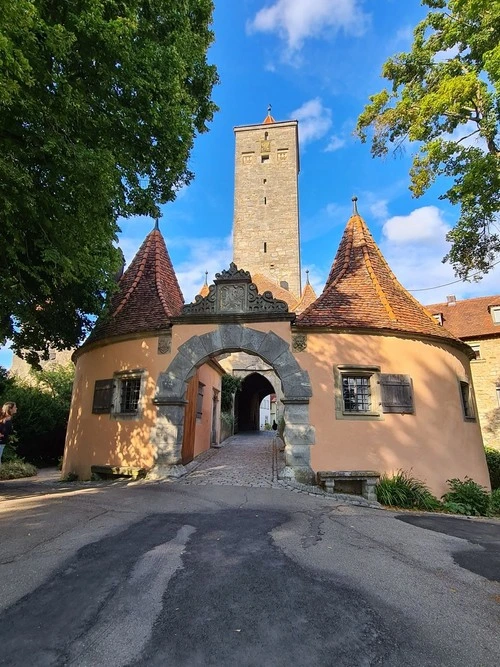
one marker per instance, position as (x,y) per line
(265,146)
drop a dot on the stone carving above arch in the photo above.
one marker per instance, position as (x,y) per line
(233,294)
(171,389)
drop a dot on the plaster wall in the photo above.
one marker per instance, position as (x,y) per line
(104,439)
(203,431)
(436,442)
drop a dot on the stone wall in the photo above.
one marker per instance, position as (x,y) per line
(486,378)
(266,218)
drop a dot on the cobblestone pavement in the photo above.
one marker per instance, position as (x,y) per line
(244,460)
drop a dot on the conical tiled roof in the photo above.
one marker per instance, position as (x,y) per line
(148,294)
(266,284)
(205,291)
(362,292)
(308,297)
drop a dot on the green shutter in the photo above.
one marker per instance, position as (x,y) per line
(396,393)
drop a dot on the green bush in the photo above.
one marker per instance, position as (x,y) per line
(403,490)
(43,410)
(230,385)
(493,461)
(471,497)
(16,469)
(495,502)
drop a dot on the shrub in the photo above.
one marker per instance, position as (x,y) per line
(495,502)
(17,469)
(40,426)
(493,461)
(230,385)
(469,495)
(403,490)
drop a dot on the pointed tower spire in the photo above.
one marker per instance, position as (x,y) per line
(148,295)
(268,119)
(205,290)
(355,205)
(363,293)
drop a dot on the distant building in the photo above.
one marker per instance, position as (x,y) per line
(477,323)
(20,368)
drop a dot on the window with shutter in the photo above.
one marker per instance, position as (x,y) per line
(396,393)
(467,400)
(103,396)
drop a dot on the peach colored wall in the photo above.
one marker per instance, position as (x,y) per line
(211,379)
(436,443)
(103,439)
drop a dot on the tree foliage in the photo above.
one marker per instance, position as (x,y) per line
(43,409)
(445,94)
(100,101)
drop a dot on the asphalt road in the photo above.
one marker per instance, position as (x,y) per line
(164,574)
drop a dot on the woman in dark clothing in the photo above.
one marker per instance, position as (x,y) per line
(8,411)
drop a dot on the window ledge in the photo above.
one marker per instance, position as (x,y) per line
(478,361)
(126,416)
(360,416)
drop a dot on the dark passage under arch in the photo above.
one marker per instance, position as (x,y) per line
(254,388)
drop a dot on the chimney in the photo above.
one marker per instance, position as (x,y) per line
(451,300)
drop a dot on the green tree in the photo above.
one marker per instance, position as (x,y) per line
(100,101)
(444,93)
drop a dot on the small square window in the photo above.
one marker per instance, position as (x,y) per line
(467,402)
(264,158)
(439,318)
(476,348)
(130,389)
(356,393)
(495,314)
(498,394)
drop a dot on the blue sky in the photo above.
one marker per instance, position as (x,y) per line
(316,61)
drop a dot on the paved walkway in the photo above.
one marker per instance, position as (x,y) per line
(244,460)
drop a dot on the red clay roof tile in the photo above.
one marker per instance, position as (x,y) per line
(468,318)
(362,292)
(148,294)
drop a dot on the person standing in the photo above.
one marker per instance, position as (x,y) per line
(9,409)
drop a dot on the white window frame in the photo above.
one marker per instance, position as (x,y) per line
(476,347)
(495,314)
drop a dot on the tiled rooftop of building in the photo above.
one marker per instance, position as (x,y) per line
(362,292)
(468,318)
(148,294)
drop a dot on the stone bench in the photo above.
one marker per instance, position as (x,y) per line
(368,479)
(117,471)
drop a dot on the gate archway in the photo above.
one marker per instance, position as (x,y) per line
(171,390)
(254,388)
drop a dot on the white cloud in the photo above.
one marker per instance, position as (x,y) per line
(314,120)
(421,225)
(379,209)
(297,20)
(335,143)
(200,255)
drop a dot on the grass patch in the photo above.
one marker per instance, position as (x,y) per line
(17,470)
(403,490)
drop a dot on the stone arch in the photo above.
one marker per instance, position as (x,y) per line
(171,390)
(254,387)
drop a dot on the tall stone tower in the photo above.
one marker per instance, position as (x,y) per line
(266,209)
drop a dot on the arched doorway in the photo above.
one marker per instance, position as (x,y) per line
(172,385)
(254,388)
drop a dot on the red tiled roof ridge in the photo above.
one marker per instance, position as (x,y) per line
(362,291)
(154,238)
(308,297)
